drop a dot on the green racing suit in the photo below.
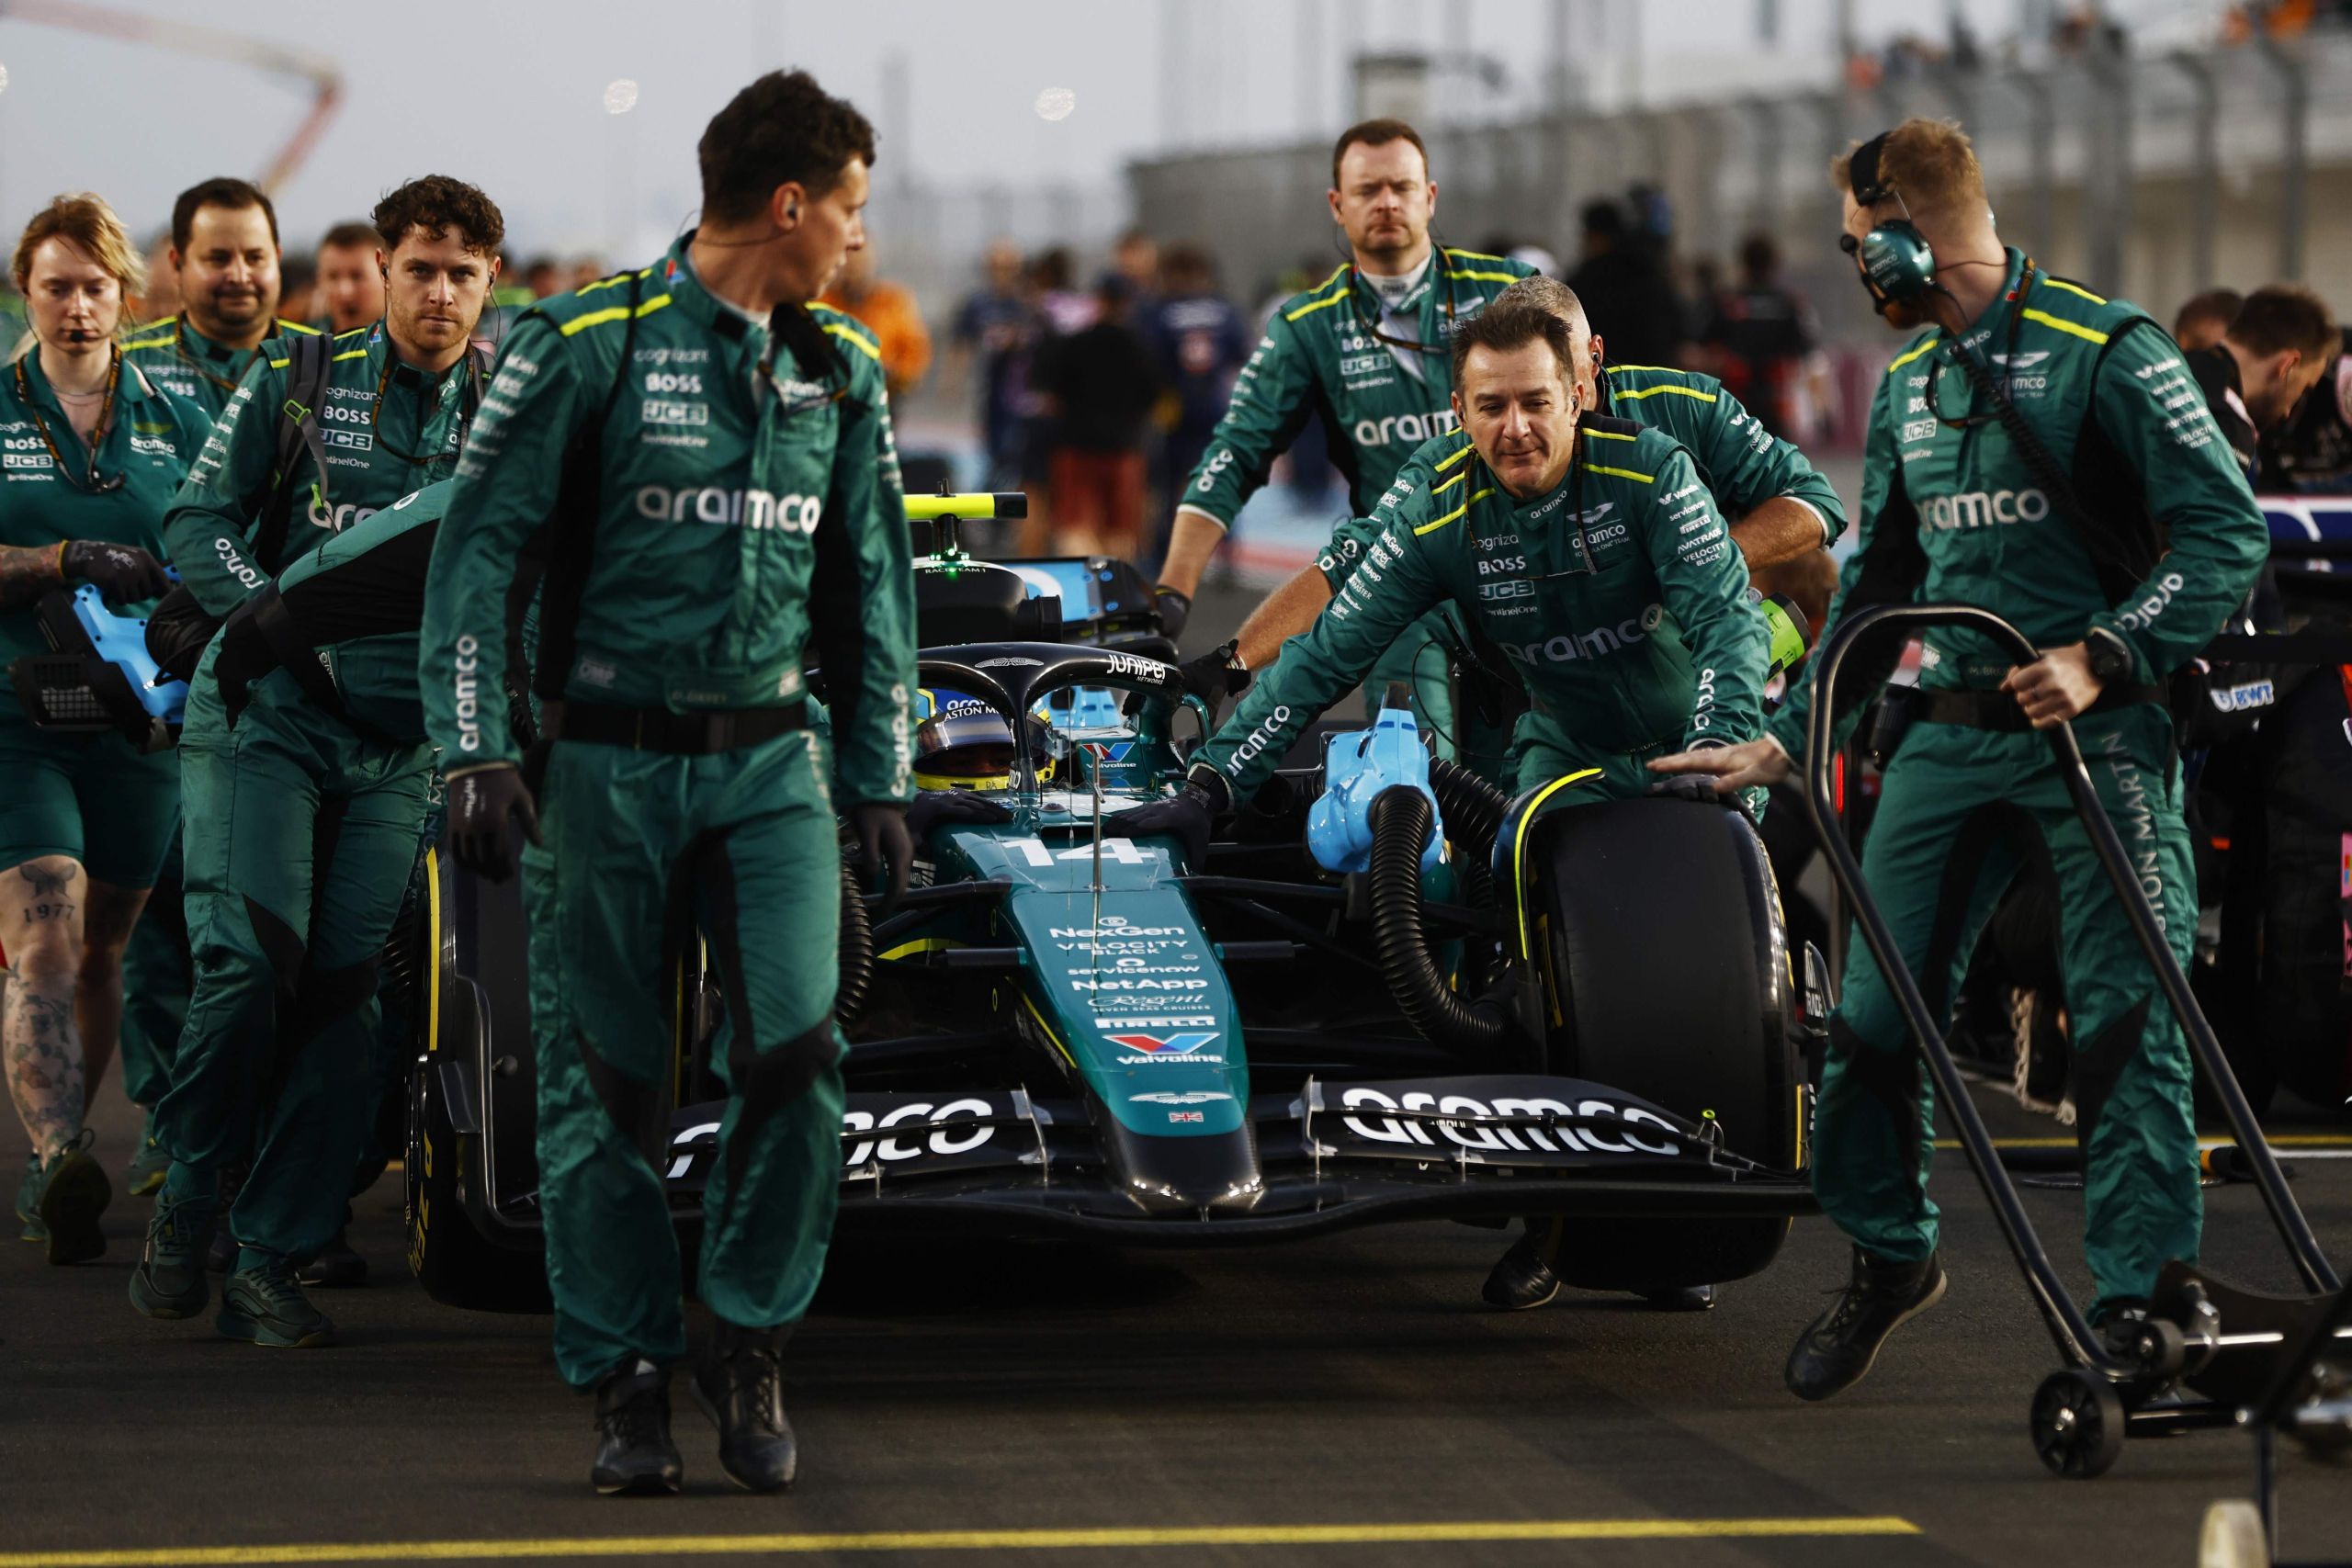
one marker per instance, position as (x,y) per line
(307,777)
(1951,510)
(730,504)
(1740,462)
(1618,595)
(1323,352)
(179,358)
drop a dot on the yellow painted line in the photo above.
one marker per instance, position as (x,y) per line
(1620,473)
(2277,1140)
(2071,288)
(1433,528)
(1041,1024)
(1518,845)
(1616,396)
(978,1541)
(2047,320)
(1901,360)
(1339,299)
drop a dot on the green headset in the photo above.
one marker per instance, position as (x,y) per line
(1898,264)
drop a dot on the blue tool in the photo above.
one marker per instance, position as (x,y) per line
(1357,765)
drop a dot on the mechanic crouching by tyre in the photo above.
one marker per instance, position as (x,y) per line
(705,465)
(2041,451)
(307,777)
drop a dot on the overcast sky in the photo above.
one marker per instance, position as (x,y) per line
(510,93)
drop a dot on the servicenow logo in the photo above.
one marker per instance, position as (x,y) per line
(1414,428)
(753,509)
(1981,508)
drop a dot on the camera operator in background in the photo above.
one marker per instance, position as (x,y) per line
(688,584)
(2105,517)
(94,453)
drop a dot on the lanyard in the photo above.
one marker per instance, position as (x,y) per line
(376,410)
(179,347)
(2008,360)
(92,483)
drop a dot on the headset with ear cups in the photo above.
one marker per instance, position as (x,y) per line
(1898,264)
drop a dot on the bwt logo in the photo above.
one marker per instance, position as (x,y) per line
(755,509)
(1978,508)
(1410,428)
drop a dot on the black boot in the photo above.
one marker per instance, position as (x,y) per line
(1522,1277)
(1681,1298)
(634,1453)
(740,1385)
(1836,1352)
(336,1268)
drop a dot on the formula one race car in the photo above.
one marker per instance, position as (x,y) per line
(1387,993)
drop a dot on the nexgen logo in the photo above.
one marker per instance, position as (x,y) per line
(755,509)
(1980,508)
(1409,428)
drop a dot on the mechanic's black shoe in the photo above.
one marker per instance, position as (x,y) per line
(740,1385)
(169,1281)
(1684,1298)
(634,1454)
(220,1251)
(336,1268)
(73,1192)
(261,1302)
(1837,1351)
(1522,1277)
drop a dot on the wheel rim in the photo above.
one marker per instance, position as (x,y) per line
(2070,1426)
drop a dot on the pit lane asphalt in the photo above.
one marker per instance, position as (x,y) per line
(1353,1382)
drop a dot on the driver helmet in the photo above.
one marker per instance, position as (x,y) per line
(961,742)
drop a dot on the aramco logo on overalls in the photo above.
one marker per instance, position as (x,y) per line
(755,509)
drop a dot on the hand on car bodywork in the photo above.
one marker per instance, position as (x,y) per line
(1216,675)
(1748,765)
(1185,816)
(481,800)
(933,806)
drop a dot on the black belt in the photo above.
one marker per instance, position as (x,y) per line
(660,730)
(1999,710)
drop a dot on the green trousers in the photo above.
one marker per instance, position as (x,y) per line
(638,843)
(156,978)
(300,835)
(1942,847)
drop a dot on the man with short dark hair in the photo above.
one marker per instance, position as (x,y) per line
(320,435)
(1367,348)
(351,276)
(703,461)
(1762,331)
(2279,344)
(2205,316)
(224,254)
(1626,292)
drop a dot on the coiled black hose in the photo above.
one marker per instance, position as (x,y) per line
(856,953)
(1400,826)
(1474,808)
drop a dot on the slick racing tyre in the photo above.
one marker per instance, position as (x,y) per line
(1667,975)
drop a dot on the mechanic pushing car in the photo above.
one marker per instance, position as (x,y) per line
(307,779)
(1366,348)
(706,464)
(2041,451)
(1784,509)
(1585,546)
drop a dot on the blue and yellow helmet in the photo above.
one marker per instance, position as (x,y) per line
(961,742)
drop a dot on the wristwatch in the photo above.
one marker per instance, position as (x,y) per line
(2110,656)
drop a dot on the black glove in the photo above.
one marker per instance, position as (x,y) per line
(883,842)
(177,629)
(1691,786)
(480,804)
(124,574)
(1216,675)
(1185,816)
(933,806)
(1175,609)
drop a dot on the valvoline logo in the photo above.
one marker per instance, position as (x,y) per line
(1162,1044)
(1107,751)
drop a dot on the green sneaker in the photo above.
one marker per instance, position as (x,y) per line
(263,1303)
(73,1192)
(29,1201)
(169,1281)
(149,1163)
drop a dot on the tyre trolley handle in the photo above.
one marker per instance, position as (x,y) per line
(2067,1324)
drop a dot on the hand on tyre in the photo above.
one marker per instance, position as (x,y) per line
(1750,763)
(1216,675)
(480,801)
(1185,816)
(883,845)
(124,574)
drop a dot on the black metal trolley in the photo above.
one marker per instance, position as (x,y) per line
(2208,1354)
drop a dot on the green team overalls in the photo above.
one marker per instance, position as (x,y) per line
(737,511)
(1951,510)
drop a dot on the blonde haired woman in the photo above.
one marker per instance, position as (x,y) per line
(90,456)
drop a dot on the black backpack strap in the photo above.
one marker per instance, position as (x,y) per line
(309,369)
(558,557)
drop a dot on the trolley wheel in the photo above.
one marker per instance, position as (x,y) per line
(2160,1348)
(2232,1536)
(2077,1424)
